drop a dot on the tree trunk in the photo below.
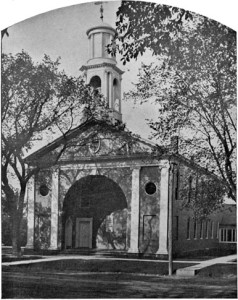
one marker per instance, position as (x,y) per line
(16,247)
(16,223)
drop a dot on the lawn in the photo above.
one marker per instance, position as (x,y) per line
(219,270)
(99,265)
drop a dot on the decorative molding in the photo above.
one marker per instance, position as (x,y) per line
(135,167)
(107,165)
(54,169)
(164,164)
(102,65)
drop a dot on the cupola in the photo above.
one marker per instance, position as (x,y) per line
(101,70)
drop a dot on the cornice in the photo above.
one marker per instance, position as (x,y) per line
(102,65)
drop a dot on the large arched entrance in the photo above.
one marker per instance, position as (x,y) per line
(87,204)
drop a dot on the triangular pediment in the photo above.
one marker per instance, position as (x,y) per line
(90,141)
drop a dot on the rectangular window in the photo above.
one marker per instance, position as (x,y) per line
(234,235)
(201,230)
(227,235)
(188,229)
(195,229)
(190,188)
(176,227)
(207,228)
(177,184)
(196,188)
(218,230)
(212,229)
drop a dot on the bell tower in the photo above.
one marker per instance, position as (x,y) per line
(101,70)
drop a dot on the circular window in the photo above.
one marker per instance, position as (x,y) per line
(94,146)
(44,190)
(150,188)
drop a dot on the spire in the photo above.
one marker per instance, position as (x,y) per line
(101,8)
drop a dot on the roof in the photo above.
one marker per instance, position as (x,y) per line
(229,216)
(159,152)
(79,130)
(101,25)
(101,65)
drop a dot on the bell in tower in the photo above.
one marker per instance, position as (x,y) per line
(101,70)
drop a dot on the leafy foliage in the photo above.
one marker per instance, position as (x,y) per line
(193,82)
(36,98)
(146,25)
(201,193)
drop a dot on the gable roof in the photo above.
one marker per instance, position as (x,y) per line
(159,152)
(76,132)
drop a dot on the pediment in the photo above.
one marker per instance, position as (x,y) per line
(92,141)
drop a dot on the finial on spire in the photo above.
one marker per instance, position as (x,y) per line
(101,8)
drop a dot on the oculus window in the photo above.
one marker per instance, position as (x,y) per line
(150,188)
(44,190)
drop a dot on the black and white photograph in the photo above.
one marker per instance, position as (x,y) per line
(118,151)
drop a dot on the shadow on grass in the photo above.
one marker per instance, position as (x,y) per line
(219,270)
(10,258)
(93,265)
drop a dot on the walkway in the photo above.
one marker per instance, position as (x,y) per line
(86,257)
(188,271)
(193,270)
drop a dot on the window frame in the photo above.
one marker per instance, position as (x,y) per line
(223,235)
(188,233)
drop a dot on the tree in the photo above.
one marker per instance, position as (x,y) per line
(37,98)
(193,81)
(146,25)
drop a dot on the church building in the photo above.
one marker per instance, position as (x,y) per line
(111,190)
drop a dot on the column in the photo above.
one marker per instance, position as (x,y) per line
(54,210)
(102,45)
(120,94)
(93,171)
(135,210)
(110,91)
(92,45)
(164,205)
(30,194)
(104,84)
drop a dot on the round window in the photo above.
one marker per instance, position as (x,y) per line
(44,190)
(94,146)
(150,188)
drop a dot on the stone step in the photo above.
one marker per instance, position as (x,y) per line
(190,271)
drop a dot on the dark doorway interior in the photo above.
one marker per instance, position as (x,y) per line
(87,203)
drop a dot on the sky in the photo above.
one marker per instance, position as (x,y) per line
(62,32)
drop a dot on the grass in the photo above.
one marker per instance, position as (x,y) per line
(9,258)
(104,265)
(219,270)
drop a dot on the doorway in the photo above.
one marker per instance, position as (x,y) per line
(83,237)
(87,203)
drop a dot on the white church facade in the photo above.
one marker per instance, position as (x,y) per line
(113,191)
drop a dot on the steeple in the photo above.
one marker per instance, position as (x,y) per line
(101,70)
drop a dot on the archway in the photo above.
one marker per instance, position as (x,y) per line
(95,82)
(116,94)
(87,204)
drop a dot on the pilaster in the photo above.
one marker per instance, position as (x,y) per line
(164,205)
(110,100)
(54,210)
(30,194)
(135,211)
